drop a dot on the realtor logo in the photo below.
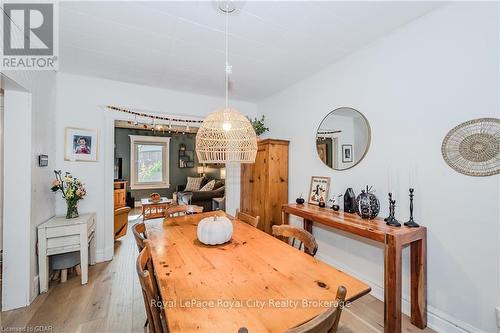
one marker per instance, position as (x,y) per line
(29,36)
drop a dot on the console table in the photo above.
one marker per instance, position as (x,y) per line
(154,209)
(394,240)
(60,235)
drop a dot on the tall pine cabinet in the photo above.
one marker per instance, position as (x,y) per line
(264,184)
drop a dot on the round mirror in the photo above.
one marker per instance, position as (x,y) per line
(343,138)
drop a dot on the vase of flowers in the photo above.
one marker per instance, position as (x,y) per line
(72,191)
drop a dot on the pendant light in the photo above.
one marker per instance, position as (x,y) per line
(226,135)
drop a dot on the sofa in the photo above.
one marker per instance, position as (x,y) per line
(204,198)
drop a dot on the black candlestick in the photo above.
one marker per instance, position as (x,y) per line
(411,223)
(393,222)
(390,200)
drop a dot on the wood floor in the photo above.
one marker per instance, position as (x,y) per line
(112,302)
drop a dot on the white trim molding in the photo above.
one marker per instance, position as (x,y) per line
(162,141)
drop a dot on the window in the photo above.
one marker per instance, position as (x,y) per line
(149,159)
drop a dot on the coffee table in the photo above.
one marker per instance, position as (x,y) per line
(154,209)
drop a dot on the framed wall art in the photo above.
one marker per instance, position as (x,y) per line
(318,192)
(347,154)
(80,144)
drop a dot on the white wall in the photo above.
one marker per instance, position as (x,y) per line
(28,131)
(413,86)
(80,103)
(1,169)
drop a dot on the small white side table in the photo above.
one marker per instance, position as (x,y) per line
(61,235)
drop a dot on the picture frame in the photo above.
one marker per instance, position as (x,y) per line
(347,154)
(318,190)
(81,144)
(186,158)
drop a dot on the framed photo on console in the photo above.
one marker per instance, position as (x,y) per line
(318,191)
(80,144)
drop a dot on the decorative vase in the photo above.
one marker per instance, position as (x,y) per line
(300,200)
(214,230)
(72,210)
(367,204)
(349,201)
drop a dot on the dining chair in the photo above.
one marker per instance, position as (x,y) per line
(150,292)
(138,230)
(304,237)
(247,218)
(328,321)
(179,210)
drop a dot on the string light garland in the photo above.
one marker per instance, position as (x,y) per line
(153,117)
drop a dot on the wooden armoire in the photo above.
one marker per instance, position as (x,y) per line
(264,184)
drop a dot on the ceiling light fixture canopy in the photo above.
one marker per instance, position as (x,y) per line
(226,135)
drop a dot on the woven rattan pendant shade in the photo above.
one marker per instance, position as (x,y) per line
(226,136)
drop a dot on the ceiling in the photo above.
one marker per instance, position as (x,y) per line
(180,45)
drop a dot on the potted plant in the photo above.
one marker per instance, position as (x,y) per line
(258,125)
(72,191)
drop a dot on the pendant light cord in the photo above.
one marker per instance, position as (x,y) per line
(227,69)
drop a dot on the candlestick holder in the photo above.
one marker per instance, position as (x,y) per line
(411,223)
(389,217)
(393,222)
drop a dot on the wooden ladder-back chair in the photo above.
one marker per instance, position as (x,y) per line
(138,230)
(304,237)
(150,292)
(247,218)
(328,321)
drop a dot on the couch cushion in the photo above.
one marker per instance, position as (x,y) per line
(218,183)
(208,186)
(193,183)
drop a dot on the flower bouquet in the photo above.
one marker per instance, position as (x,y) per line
(72,191)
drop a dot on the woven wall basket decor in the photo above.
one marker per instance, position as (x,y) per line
(473,148)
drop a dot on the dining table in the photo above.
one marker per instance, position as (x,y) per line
(253,283)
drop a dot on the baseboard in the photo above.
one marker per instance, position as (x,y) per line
(436,319)
(35,288)
(105,254)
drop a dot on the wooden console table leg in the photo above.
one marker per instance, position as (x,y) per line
(392,285)
(418,262)
(308,225)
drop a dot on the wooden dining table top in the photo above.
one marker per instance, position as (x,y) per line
(254,281)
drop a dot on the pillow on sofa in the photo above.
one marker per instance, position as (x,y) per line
(208,186)
(193,184)
(218,183)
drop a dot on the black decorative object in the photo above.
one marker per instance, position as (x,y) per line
(336,208)
(393,222)
(349,201)
(321,204)
(390,202)
(411,223)
(367,204)
(300,200)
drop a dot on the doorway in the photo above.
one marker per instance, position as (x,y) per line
(1,190)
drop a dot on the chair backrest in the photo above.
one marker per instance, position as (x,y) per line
(138,230)
(304,237)
(179,210)
(150,292)
(248,219)
(328,321)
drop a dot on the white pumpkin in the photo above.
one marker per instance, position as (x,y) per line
(215,230)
